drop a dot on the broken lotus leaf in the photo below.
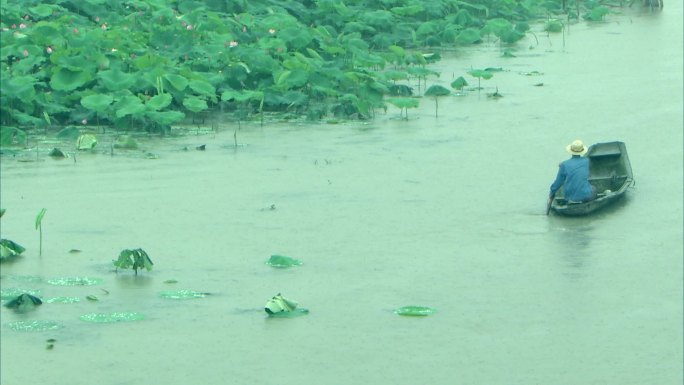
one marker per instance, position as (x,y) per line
(112,317)
(24,302)
(282,261)
(279,306)
(7,294)
(416,311)
(86,142)
(10,249)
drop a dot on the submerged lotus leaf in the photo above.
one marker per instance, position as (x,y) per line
(290,314)
(24,302)
(34,326)
(75,281)
(282,261)
(182,294)
(6,294)
(419,311)
(112,317)
(63,300)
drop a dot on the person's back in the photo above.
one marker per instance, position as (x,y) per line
(573,175)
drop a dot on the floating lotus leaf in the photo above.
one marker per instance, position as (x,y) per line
(282,261)
(86,142)
(27,278)
(10,248)
(112,317)
(6,294)
(34,326)
(290,314)
(63,300)
(75,281)
(418,311)
(182,294)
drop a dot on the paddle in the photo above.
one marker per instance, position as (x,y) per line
(548,205)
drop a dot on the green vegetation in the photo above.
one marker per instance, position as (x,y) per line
(133,259)
(145,65)
(39,227)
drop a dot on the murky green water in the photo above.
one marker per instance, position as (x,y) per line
(446,213)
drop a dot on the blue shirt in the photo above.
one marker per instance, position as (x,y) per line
(573,175)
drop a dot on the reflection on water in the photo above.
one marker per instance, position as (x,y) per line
(572,237)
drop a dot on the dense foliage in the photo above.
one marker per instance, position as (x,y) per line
(149,64)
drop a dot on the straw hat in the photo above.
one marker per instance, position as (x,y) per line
(576,148)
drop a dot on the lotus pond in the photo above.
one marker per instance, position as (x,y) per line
(439,216)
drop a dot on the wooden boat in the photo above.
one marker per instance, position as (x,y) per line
(609,171)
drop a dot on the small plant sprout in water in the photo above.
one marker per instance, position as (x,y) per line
(437,91)
(133,259)
(480,74)
(39,227)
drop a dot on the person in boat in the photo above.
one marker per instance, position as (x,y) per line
(573,175)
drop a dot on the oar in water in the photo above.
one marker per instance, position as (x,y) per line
(548,205)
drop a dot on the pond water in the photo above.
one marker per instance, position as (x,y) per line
(446,212)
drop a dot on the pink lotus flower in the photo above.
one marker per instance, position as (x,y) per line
(48,50)
(244,29)
(104,26)
(189,27)
(75,30)
(22,26)
(97,19)
(233,44)
(184,23)
(84,122)
(272,31)
(14,26)
(26,52)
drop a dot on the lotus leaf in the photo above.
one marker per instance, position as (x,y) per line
(468,36)
(10,249)
(129,105)
(19,87)
(43,10)
(420,311)
(279,304)
(182,294)
(290,314)
(34,326)
(282,261)
(437,90)
(165,118)
(597,13)
(126,142)
(158,102)
(75,281)
(459,83)
(203,88)
(116,80)
(178,82)
(97,102)
(65,79)
(133,259)
(86,142)
(24,302)
(112,317)
(12,136)
(195,104)
(69,132)
(57,153)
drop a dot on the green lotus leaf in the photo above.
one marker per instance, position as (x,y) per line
(97,102)
(42,10)
(282,261)
(437,90)
(74,281)
(68,80)
(468,36)
(116,80)
(129,105)
(34,326)
(86,142)
(202,88)
(195,104)
(13,292)
(112,317)
(178,82)
(126,142)
(459,83)
(417,311)
(290,314)
(158,102)
(484,74)
(165,118)
(408,10)
(10,249)
(182,294)
(69,132)
(404,102)
(19,87)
